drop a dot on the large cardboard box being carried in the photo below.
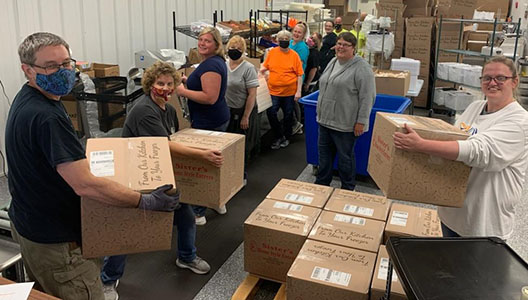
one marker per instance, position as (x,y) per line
(327,272)
(142,164)
(198,181)
(414,176)
(273,235)
(379,279)
(299,192)
(408,221)
(359,204)
(349,231)
(392,82)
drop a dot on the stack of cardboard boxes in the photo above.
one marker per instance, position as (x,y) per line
(418,45)
(394,9)
(329,253)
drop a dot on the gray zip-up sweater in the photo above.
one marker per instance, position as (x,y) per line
(346,98)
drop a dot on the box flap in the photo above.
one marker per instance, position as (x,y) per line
(301,192)
(424,124)
(350,231)
(282,220)
(288,207)
(359,204)
(142,164)
(333,265)
(205,139)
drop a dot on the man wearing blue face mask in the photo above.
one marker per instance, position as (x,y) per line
(48,173)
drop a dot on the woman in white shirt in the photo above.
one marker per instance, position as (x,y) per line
(497,149)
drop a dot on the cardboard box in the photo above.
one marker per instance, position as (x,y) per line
(105,70)
(500,7)
(456,8)
(349,231)
(263,95)
(325,271)
(476,45)
(423,96)
(273,235)
(379,279)
(338,10)
(418,40)
(413,176)
(194,57)
(142,164)
(70,104)
(359,204)
(177,103)
(418,8)
(392,82)
(198,181)
(449,40)
(412,221)
(299,192)
(338,2)
(255,62)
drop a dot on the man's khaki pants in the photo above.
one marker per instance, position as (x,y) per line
(60,270)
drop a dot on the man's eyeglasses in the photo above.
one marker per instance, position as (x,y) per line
(55,67)
(498,79)
(343,45)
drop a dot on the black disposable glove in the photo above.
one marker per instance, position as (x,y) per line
(158,200)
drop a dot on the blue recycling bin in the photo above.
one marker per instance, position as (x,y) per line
(383,103)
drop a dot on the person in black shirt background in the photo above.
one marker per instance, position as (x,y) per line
(327,51)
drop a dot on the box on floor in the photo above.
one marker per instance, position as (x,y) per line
(349,231)
(359,204)
(273,235)
(301,193)
(408,221)
(142,164)
(326,271)
(414,176)
(201,183)
(379,279)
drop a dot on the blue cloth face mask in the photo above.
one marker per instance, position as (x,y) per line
(59,83)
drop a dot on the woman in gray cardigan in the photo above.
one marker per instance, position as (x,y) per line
(346,95)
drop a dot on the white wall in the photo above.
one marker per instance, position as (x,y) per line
(107,31)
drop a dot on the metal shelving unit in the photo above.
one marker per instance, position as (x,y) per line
(460,52)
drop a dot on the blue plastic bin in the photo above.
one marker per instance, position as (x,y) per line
(383,103)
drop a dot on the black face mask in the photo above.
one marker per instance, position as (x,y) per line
(284,44)
(337,26)
(234,54)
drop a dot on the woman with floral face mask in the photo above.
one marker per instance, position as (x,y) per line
(152,115)
(241,95)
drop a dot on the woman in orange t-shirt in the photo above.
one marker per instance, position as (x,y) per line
(284,84)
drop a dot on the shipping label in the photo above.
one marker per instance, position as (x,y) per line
(354,209)
(384,269)
(102,163)
(298,198)
(288,206)
(349,219)
(401,121)
(332,276)
(399,218)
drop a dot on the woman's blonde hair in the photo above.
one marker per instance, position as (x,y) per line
(155,71)
(304,27)
(216,37)
(237,40)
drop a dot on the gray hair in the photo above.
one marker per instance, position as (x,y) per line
(36,41)
(284,33)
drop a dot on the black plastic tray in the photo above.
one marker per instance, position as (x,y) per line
(458,268)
